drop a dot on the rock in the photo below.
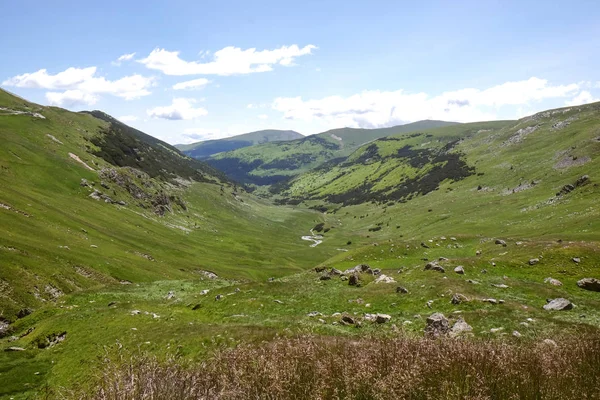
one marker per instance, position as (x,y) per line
(314,314)
(325,277)
(443,259)
(501,242)
(592,284)
(359,269)
(559,304)
(170,295)
(496,330)
(401,289)
(429,303)
(218,297)
(460,270)
(460,327)
(534,261)
(320,269)
(424,245)
(500,285)
(209,274)
(354,280)
(321,320)
(484,271)
(197,307)
(478,253)
(112,303)
(382,318)
(458,298)
(385,279)
(552,281)
(204,292)
(84,183)
(376,271)
(14,349)
(491,301)
(346,319)
(121,203)
(436,325)
(278,301)
(136,312)
(516,334)
(335,272)
(104,185)
(473,282)
(549,342)
(343,278)
(433,266)
(576,260)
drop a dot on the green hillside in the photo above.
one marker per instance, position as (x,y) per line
(120,256)
(271,163)
(207,148)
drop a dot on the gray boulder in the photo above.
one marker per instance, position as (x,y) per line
(353,280)
(553,282)
(592,284)
(436,325)
(401,289)
(501,242)
(559,304)
(534,261)
(433,266)
(458,298)
(459,270)
(460,327)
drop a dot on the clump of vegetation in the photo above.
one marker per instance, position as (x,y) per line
(366,368)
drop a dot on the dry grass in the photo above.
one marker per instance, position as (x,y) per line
(326,368)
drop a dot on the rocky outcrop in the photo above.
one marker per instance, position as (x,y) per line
(436,325)
(592,284)
(559,304)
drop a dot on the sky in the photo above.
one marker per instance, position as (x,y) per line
(185,71)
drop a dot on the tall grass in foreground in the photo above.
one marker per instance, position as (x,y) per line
(338,368)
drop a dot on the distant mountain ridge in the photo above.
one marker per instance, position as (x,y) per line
(270,163)
(205,149)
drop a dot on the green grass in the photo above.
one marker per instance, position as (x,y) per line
(246,240)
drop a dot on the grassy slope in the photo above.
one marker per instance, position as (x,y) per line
(50,210)
(258,243)
(270,163)
(208,148)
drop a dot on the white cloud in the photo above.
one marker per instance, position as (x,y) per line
(127,118)
(263,116)
(124,57)
(584,97)
(82,83)
(193,84)
(227,61)
(376,108)
(181,108)
(192,135)
(70,98)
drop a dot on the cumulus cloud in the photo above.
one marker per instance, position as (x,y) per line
(193,84)
(374,108)
(70,98)
(82,84)
(584,97)
(127,118)
(227,61)
(180,108)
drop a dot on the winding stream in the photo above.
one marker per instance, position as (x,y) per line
(316,239)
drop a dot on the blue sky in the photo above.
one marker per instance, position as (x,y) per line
(193,70)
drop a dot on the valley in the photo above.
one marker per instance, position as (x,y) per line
(116,246)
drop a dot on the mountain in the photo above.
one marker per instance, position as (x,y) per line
(126,265)
(271,163)
(88,201)
(204,149)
